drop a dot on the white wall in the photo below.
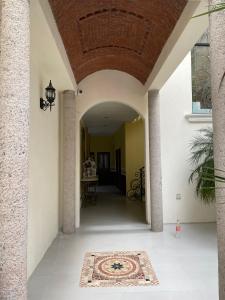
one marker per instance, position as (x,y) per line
(46,64)
(177,132)
(111,86)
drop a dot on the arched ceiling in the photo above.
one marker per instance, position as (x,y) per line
(105,118)
(125,35)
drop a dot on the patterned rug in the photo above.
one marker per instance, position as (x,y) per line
(108,269)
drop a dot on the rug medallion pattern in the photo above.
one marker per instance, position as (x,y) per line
(105,269)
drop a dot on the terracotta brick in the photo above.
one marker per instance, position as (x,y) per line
(124,35)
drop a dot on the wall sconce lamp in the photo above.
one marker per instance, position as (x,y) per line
(50,96)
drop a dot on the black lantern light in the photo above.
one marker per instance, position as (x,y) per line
(50,96)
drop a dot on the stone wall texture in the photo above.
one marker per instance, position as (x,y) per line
(155,161)
(14,131)
(69,162)
(217,56)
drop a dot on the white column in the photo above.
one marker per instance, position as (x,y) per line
(69,161)
(14,131)
(155,161)
(217,46)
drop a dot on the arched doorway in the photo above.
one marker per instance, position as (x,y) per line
(101,87)
(113,135)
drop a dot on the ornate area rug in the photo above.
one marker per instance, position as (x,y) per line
(108,269)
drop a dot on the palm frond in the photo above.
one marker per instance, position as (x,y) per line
(206,178)
(212,9)
(201,146)
(201,157)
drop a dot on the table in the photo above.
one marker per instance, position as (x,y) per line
(88,190)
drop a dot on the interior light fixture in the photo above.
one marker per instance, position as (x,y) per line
(138,118)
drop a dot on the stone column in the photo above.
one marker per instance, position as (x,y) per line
(155,161)
(14,130)
(69,114)
(217,46)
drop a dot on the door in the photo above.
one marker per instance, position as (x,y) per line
(103,167)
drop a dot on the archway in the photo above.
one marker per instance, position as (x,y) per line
(114,118)
(110,86)
(101,87)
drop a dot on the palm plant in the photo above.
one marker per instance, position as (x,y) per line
(204,175)
(202,158)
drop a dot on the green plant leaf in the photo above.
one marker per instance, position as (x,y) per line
(201,157)
(215,8)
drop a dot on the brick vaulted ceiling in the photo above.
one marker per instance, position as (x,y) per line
(125,35)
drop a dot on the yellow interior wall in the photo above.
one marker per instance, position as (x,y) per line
(130,139)
(84,142)
(102,144)
(110,144)
(134,149)
(119,143)
(87,143)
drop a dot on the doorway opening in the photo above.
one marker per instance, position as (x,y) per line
(103,168)
(112,166)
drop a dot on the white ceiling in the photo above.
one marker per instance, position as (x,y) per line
(105,118)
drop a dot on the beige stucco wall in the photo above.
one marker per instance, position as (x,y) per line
(46,64)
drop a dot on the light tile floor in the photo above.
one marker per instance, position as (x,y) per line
(186,267)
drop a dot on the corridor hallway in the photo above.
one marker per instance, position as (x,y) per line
(113,212)
(185,267)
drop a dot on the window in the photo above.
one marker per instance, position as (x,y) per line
(201,81)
